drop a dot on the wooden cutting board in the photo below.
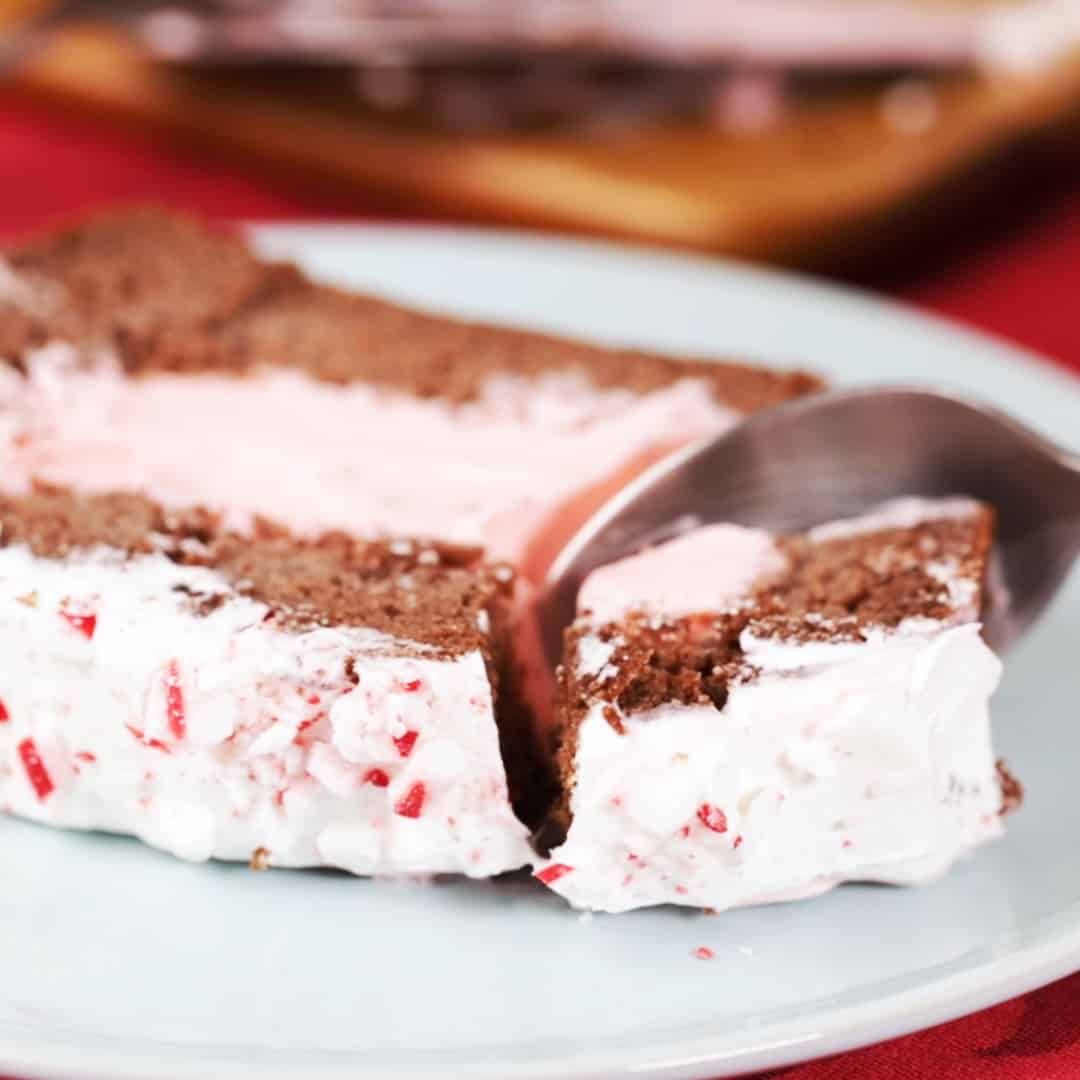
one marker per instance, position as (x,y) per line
(831,185)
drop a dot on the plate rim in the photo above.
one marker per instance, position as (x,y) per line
(792,1042)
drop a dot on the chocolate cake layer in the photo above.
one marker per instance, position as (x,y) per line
(835,589)
(428,593)
(166,293)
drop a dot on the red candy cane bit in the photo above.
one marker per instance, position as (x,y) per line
(38,775)
(411,686)
(154,744)
(305,724)
(738,842)
(174,701)
(712,817)
(5,716)
(411,804)
(85,755)
(552,873)
(377,777)
(406,742)
(703,952)
(85,624)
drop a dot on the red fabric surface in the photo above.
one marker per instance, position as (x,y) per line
(1023,284)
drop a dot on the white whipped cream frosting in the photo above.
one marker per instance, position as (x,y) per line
(214,736)
(837,761)
(903,513)
(316,456)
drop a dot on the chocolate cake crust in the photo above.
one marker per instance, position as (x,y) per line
(164,292)
(433,594)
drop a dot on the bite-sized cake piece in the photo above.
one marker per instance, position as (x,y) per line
(141,346)
(315,702)
(750,718)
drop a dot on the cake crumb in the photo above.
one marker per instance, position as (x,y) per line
(1012,791)
(260,859)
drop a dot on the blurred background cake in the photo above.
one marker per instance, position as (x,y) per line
(838,134)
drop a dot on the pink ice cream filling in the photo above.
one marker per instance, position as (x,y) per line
(496,471)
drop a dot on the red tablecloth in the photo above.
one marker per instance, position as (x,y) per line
(1022,282)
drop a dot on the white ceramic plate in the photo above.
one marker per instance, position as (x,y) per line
(118,962)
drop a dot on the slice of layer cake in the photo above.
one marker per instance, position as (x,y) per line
(142,347)
(205,673)
(296,702)
(750,718)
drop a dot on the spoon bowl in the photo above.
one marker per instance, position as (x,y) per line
(836,455)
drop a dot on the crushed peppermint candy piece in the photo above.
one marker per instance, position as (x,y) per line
(377,777)
(552,873)
(712,817)
(38,775)
(174,701)
(406,742)
(154,744)
(84,623)
(411,804)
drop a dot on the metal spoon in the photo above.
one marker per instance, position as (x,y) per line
(835,455)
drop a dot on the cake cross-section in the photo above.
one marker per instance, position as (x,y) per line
(750,718)
(337,691)
(291,701)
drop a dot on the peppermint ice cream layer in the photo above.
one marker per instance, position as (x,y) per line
(750,718)
(142,347)
(315,456)
(326,703)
